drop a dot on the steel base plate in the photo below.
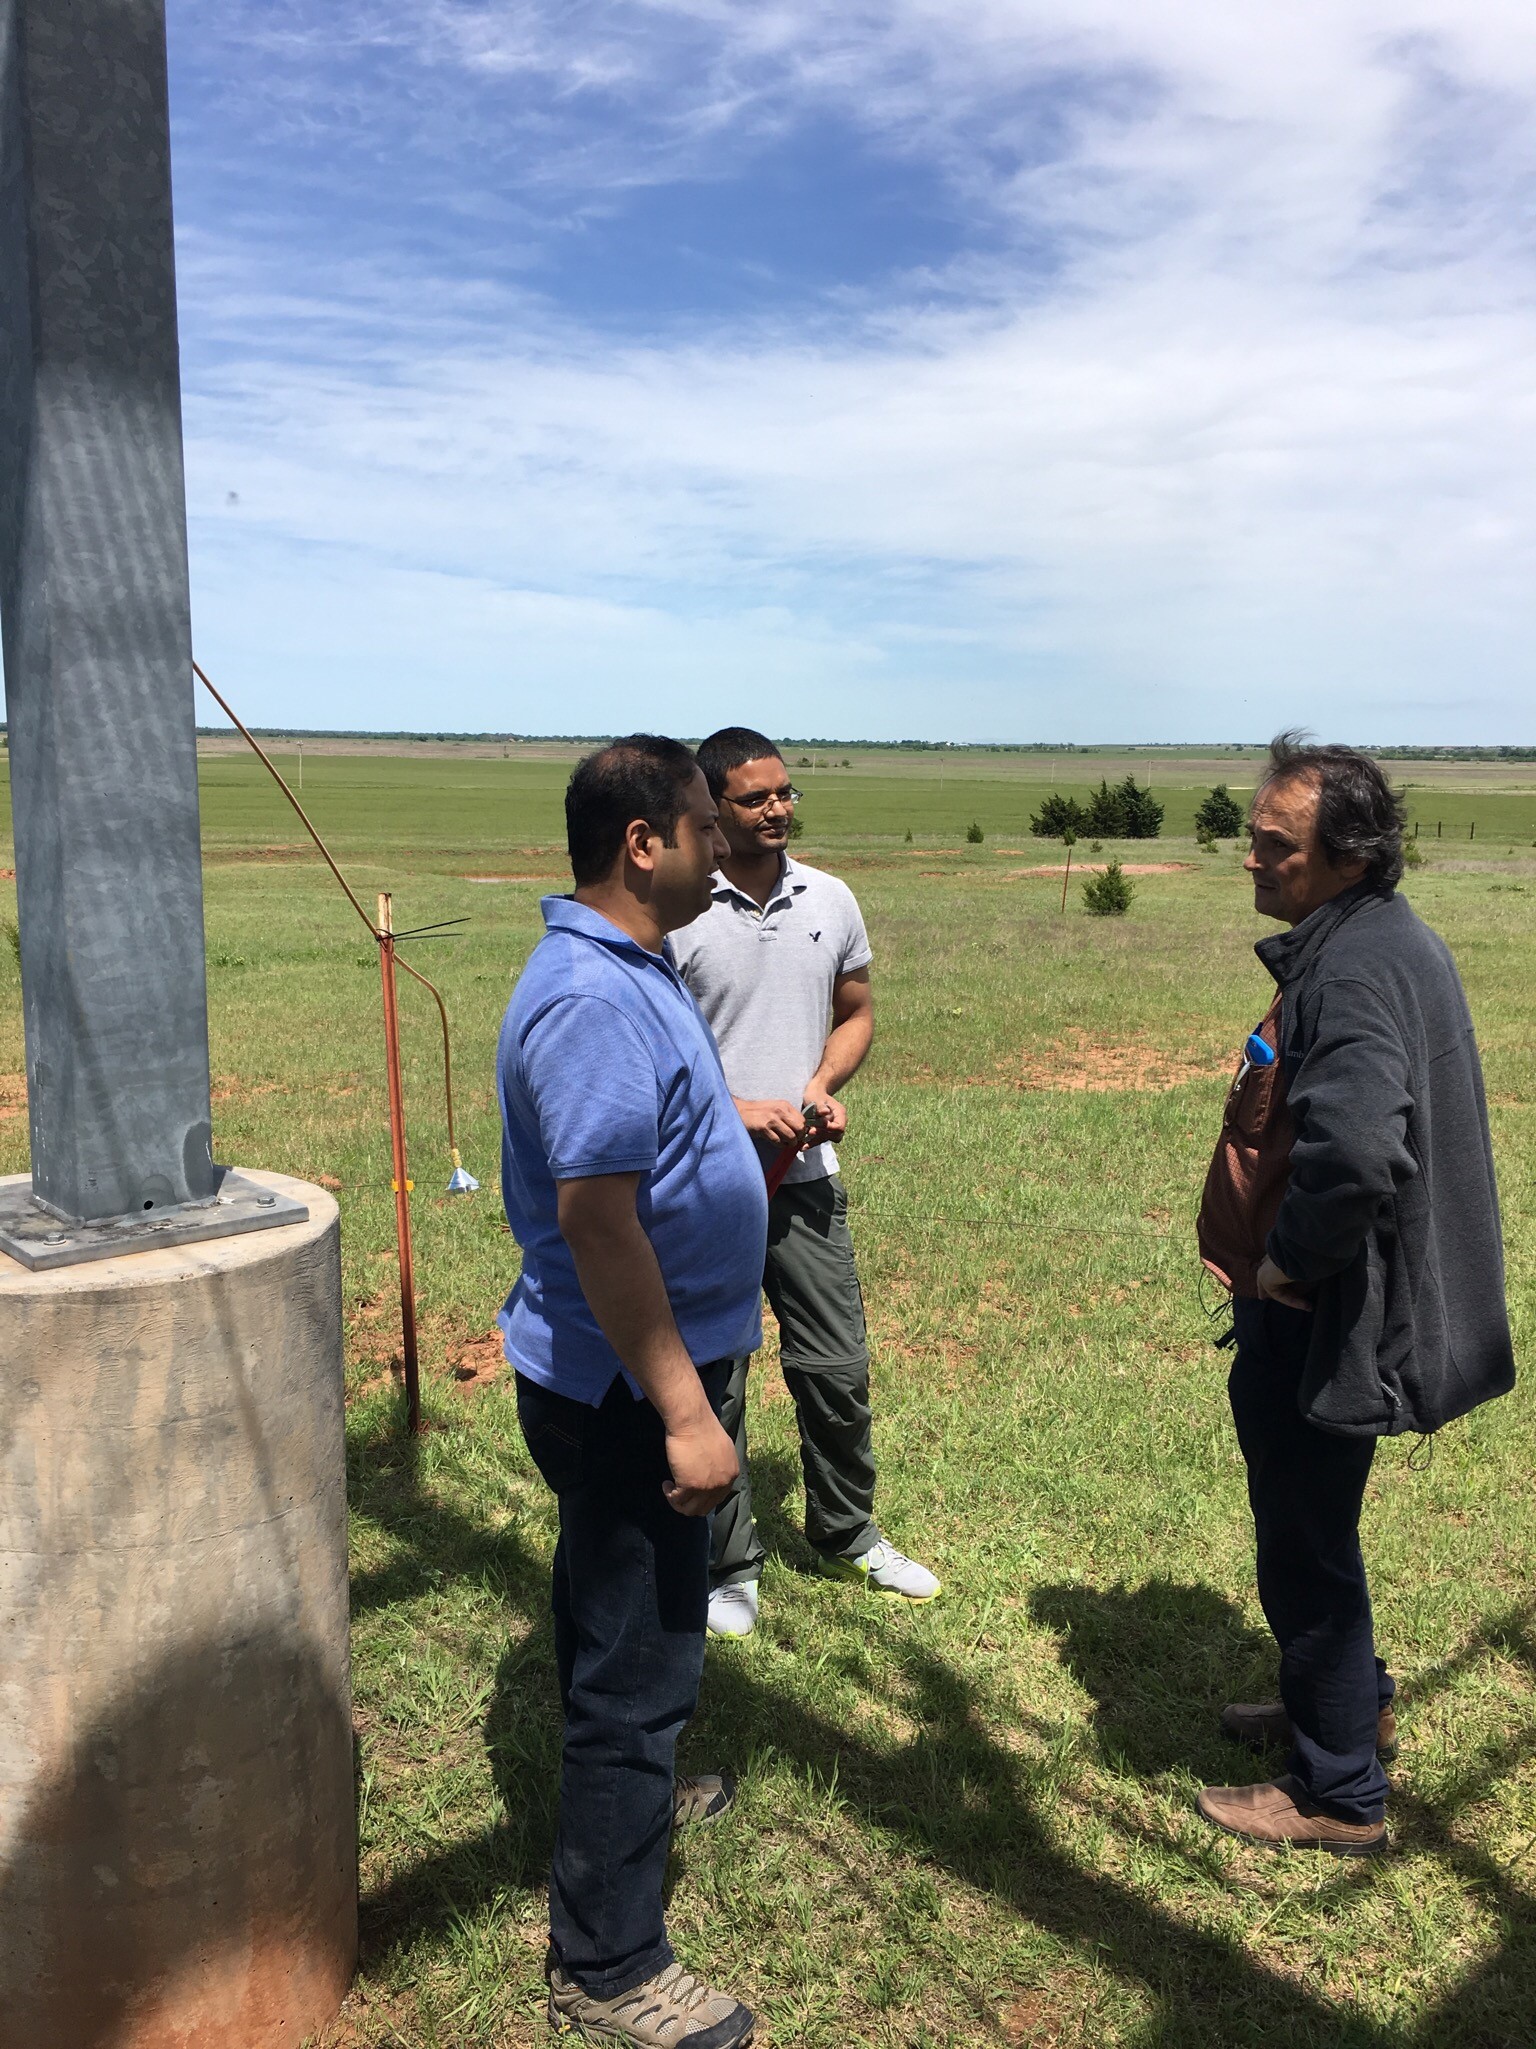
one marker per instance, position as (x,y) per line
(39,1241)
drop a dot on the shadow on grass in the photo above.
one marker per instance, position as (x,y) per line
(1158,1659)
(435,1546)
(775,1476)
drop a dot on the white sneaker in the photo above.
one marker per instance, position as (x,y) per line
(888,1570)
(733,1609)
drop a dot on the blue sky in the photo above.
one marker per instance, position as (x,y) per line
(986,371)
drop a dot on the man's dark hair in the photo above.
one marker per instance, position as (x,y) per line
(640,776)
(732,747)
(1360,817)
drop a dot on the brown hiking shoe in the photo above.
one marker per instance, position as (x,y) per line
(1282,1813)
(704,1797)
(1262,1724)
(670,2008)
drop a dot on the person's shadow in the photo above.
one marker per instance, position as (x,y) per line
(1161,1660)
(775,1476)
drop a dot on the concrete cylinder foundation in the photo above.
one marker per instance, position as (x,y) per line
(178,1860)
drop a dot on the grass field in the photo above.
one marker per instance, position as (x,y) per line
(971,1824)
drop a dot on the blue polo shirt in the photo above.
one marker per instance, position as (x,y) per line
(606,1066)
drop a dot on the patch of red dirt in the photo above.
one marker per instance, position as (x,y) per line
(13,1097)
(222,855)
(478,1363)
(1098,867)
(1083,1062)
(227,1085)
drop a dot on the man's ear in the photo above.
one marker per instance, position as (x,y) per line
(639,843)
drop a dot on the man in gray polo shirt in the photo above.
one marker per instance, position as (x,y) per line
(779,964)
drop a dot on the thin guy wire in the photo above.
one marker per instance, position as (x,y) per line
(276,774)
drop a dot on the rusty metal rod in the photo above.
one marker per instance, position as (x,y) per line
(408,1352)
(442,1011)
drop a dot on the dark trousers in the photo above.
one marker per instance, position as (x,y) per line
(812,1284)
(630,1600)
(1306,1486)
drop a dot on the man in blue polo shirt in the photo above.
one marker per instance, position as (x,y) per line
(638,1201)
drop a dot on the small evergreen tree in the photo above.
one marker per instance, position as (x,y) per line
(974,833)
(1126,812)
(1057,817)
(1103,814)
(1142,813)
(1108,895)
(1220,816)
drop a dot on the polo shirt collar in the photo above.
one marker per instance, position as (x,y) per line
(790,883)
(564,914)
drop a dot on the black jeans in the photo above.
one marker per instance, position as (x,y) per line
(1306,1486)
(630,1599)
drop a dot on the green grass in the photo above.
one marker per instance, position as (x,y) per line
(972,1824)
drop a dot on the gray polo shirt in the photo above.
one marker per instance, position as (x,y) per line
(763,979)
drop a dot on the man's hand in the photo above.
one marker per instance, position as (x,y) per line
(704,1464)
(834,1115)
(616,1266)
(782,1122)
(1275,1286)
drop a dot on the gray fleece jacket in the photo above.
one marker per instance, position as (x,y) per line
(1391,1219)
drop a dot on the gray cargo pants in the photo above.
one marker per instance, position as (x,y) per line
(812,1285)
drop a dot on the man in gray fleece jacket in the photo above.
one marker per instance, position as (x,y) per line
(1378,1305)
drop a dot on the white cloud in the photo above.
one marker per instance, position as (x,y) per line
(1267,413)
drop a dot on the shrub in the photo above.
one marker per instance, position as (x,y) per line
(1220,816)
(974,833)
(1057,817)
(1108,895)
(796,825)
(1413,854)
(909,835)
(1126,812)
(1205,843)
(1095,846)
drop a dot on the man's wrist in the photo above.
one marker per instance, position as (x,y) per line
(681,1402)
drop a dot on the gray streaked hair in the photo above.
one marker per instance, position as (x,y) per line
(1360,816)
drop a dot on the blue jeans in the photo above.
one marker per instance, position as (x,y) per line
(1305,1486)
(630,1599)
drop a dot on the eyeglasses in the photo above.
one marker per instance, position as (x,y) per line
(759,800)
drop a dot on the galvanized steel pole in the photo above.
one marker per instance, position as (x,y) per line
(98,652)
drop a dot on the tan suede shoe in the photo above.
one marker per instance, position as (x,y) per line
(1264,1723)
(1280,1812)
